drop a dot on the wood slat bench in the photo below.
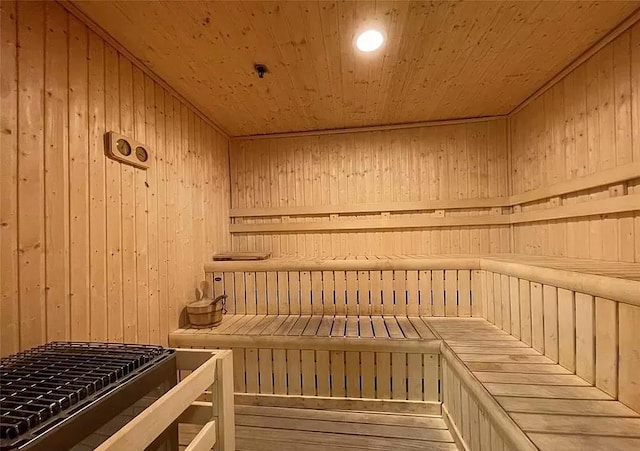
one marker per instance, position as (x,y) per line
(358,357)
(549,404)
(357,334)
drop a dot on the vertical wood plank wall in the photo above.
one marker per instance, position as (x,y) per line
(587,123)
(93,249)
(463,161)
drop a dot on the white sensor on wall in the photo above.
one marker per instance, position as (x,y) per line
(369,41)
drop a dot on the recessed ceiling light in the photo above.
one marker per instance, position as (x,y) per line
(369,41)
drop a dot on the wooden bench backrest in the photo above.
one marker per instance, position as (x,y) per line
(440,292)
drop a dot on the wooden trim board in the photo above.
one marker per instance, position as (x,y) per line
(353,344)
(321,210)
(373,128)
(333,403)
(607,177)
(210,369)
(435,263)
(620,290)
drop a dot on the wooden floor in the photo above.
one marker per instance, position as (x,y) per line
(285,429)
(555,408)
(319,326)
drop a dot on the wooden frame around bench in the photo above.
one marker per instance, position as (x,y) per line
(210,370)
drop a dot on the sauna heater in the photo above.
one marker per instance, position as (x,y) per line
(70,395)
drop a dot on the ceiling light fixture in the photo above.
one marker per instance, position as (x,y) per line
(369,41)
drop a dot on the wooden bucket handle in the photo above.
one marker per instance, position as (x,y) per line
(223,298)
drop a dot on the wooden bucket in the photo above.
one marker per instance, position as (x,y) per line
(207,312)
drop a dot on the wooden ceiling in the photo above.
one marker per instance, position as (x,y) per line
(441,60)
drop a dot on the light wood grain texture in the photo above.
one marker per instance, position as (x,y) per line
(387,87)
(585,337)
(606,331)
(211,370)
(629,356)
(96,260)
(368,179)
(581,128)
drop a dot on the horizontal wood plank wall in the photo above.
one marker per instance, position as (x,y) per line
(452,162)
(93,249)
(594,337)
(586,124)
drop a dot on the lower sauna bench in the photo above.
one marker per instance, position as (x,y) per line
(292,429)
(320,361)
(493,353)
(545,403)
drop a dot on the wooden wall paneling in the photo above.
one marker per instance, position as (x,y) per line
(79,181)
(424,288)
(498,308)
(586,124)
(305,293)
(400,293)
(431,366)
(56,177)
(127,186)
(152,231)
(160,169)
(387,292)
(375,280)
(141,213)
(265,365)
(585,337)
(525,310)
(490,305)
(30,182)
(629,358)
(95,236)
(514,307)
(97,194)
(451,292)
(9,140)
(537,318)
(566,329)
(506,303)
(383,375)
(114,203)
(437,281)
(394,162)
(550,321)
(317,304)
(261,293)
(464,292)
(172,146)
(340,282)
(606,330)
(398,375)
(284,298)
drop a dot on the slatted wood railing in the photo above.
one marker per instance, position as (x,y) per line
(359,286)
(582,314)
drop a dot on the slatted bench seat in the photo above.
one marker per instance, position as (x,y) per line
(326,356)
(554,408)
(366,327)
(308,333)
(345,328)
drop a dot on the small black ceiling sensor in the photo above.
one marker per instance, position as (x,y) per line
(261,69)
